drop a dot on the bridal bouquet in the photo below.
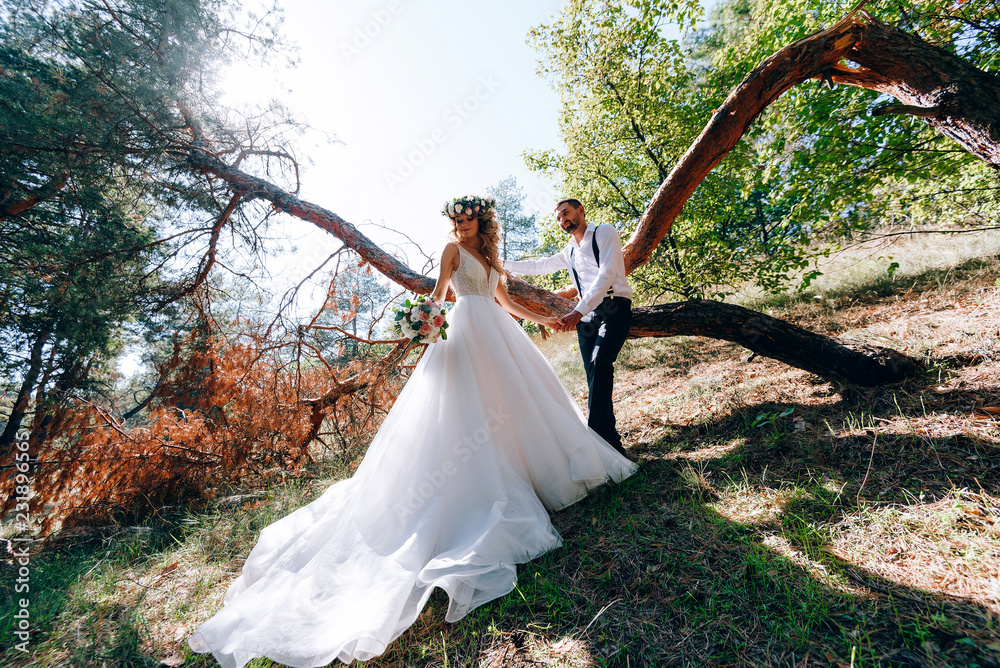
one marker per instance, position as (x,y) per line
(421,321)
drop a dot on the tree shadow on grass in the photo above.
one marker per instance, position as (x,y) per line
(656,571)
(675,567)
(653,575)
(75,619)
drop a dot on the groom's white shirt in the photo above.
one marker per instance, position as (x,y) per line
(595,279)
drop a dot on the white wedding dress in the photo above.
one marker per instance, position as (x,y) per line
(452,493)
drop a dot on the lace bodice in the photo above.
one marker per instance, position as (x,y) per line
(470,278)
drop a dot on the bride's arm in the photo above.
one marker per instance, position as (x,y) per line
(519,311)
(449,263)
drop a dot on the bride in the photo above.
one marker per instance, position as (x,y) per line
(454,490)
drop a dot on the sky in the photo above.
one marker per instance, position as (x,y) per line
(429,100)
(424,100)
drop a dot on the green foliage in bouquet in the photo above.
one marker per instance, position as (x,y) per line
(421,320)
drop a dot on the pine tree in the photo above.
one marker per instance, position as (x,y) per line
(98,106)
(519,233)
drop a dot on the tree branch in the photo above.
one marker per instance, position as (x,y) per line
(958,100)
(793,64)
(923,112)
(8,209)
(832,358)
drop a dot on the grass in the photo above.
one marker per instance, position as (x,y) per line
(777,520)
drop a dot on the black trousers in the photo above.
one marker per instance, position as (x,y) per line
(601,339)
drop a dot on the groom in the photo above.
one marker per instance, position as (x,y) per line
(602,319)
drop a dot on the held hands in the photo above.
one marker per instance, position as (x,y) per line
(568,321)
(552,323)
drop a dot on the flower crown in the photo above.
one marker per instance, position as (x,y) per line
(470,205)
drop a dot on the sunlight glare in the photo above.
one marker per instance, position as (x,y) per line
(247,84)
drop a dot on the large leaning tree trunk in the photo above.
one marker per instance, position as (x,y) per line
(957,99)
(834,359)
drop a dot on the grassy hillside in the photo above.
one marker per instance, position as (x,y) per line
(778,520)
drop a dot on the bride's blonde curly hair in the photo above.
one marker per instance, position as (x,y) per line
(489,237)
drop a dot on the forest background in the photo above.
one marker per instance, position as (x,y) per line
(115,235)
(119,230)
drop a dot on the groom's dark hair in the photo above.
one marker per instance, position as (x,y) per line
(575,203)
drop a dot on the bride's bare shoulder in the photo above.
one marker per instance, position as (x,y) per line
(450,254)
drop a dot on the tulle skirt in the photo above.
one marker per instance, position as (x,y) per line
(452,493)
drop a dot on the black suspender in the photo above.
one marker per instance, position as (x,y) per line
(576,276)
(597,258)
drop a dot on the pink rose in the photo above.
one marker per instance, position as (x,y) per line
(424,315)
(438,321)
(425,329)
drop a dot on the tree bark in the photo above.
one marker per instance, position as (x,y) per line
(23,400)
(257,188)
(795,63)
(955,98)
(253,187)
(831,358)
(41,194)
(321,407)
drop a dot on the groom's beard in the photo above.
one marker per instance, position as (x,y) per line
(570,227)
